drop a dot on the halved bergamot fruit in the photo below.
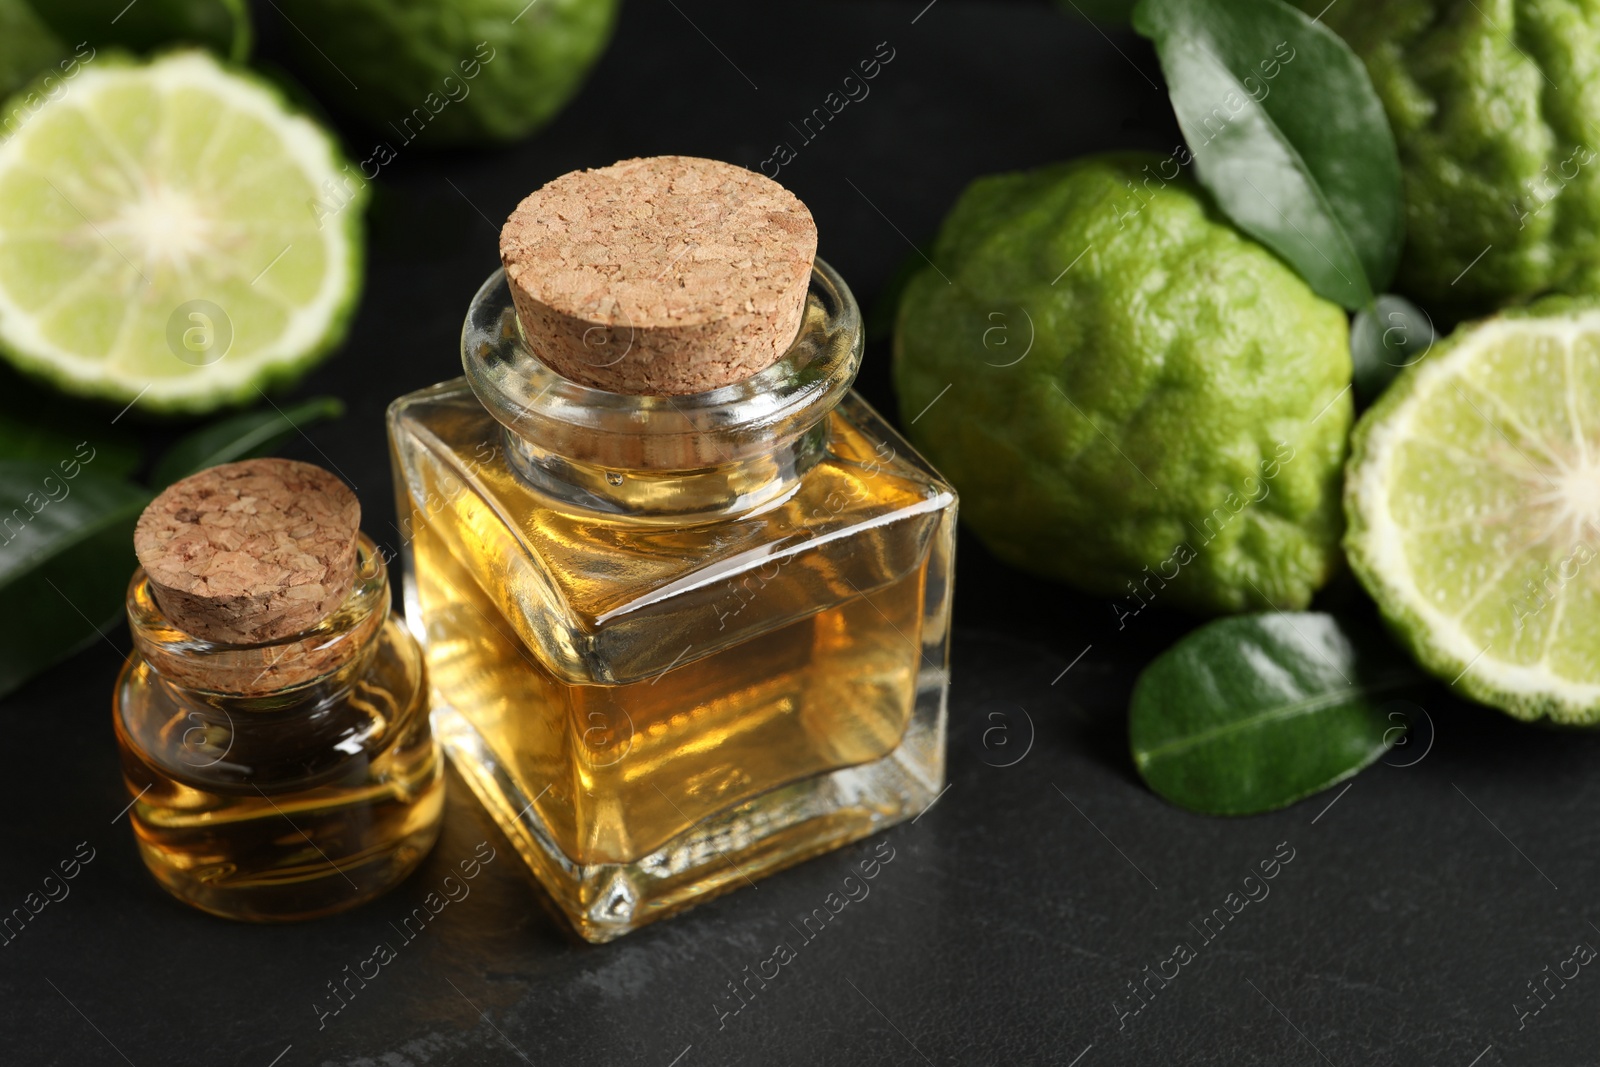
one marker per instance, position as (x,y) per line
(1473,500)
(172,233)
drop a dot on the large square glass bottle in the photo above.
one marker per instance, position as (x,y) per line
(676,643)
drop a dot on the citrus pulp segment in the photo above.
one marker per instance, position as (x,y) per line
(1473,499)
(167,234)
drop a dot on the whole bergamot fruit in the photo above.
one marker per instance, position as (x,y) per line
(1496,112)
(445,72)
(223,26)
(1129,394)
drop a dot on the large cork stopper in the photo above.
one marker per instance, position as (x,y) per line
(661,276)
(250,552)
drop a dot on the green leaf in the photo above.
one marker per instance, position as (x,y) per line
(26,46)
(1255,712)
(1384,339)
(1288,135)
(255,433)
(220,25)
(111,455)
(39,423)
(66,554)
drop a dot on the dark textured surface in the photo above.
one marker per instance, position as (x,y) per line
(1013,915)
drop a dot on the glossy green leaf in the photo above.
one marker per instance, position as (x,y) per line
(220,25)
(255,433)
(39,423)
(1385,339)
(66,553)
(1288,135)
(26,46)
(1255,712)
(109,455)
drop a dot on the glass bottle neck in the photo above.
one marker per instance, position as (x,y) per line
(735,487)
(315,666)
(284,713)
(666,459)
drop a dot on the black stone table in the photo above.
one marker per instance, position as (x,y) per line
(1018,915)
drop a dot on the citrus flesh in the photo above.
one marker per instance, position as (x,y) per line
(1473,500)
(171,234)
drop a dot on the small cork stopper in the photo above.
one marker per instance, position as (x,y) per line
(661,276)
(250,552)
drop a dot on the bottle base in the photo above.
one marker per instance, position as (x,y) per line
(761,836)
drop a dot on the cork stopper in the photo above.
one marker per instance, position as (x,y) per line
(250,552)
(661,276)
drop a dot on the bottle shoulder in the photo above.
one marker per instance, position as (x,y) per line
(867,477)
(860,518)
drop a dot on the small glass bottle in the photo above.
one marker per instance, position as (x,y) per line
(677,641)
(289,770)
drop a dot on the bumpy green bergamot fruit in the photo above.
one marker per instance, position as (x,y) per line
(450,71)
(1496,110)
(1128,393)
